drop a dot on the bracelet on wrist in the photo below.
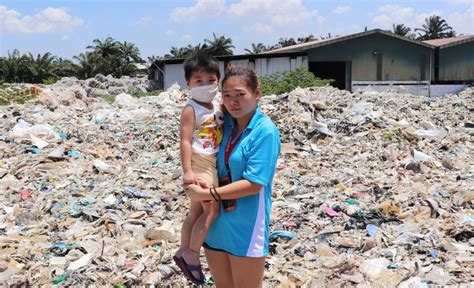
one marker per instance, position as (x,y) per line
(212,194)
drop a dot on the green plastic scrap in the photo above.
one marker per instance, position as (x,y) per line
(58,280)
(351,202)
(120,286)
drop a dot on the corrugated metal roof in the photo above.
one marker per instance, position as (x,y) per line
(323,42)
(451,41)
(237,57)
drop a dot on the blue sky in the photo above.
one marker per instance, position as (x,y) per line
(65,28)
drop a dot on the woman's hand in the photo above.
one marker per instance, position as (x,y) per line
(198,193)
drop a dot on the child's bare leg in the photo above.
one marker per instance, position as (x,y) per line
(199,232)
(194,212)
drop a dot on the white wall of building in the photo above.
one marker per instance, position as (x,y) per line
(174,73)
(422,88)
(443,89)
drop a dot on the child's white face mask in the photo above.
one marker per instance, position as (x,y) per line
(204,93)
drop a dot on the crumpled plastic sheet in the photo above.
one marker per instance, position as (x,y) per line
(370,189)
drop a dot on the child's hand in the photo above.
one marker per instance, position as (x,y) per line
(202,183)
(188,179)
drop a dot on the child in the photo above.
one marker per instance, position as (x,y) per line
(200,135)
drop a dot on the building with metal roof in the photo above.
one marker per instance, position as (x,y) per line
(168,72)
(453,59)
(376,58)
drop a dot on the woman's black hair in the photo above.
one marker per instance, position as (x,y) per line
(239,71)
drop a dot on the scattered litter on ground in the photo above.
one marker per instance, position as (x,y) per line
(370,189)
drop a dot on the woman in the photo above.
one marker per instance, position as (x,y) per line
(237,243)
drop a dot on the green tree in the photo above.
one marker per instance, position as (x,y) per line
(256,48)
(220,45)
(272,47)
(306,39)
(284,42)
(193,50)
(14,67)
(130,52)
(435,28)
(86,66)
(176,53)
(400,29)
(40,67)
(108,47)
(63,67)
(283,82)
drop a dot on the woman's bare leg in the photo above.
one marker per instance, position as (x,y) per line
(247,271)
(219,265)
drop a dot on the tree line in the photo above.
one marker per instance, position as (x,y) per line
(117,58)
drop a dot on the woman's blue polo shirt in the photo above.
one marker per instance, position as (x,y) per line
(245,230)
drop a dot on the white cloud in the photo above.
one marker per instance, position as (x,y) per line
(144,21)
(392,14)
(460,2)
(187,37)
(170,32)
(283,13)
(259,28)
(49,20)
(342,9)
(463,21)
(383,20)
(202,10)
(420,17)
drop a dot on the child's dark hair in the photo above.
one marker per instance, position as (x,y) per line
(201,61)
(239,71)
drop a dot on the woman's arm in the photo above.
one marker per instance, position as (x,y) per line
(234,190)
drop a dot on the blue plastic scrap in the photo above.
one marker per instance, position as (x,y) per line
(136,194)
(372,230)
(286,235)
(74,154)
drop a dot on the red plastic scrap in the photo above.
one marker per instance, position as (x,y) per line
(25,194)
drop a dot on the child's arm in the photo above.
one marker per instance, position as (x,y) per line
(186,135)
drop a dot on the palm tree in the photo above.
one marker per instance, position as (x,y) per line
(154,58)
(193,50)
(105,48)
(400,29)
(130,52)
(283,42)
(14,67)
(435,28)
(256,48)
(63,67)
(272,47)
(40,67)
(305,39)
(220,45)
(119,66)
(176,53)
(86,67)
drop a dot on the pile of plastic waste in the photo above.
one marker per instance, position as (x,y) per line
(371,188)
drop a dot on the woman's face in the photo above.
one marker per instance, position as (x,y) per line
(238,98)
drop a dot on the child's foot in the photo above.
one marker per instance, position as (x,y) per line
(180,252)
(192,258)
